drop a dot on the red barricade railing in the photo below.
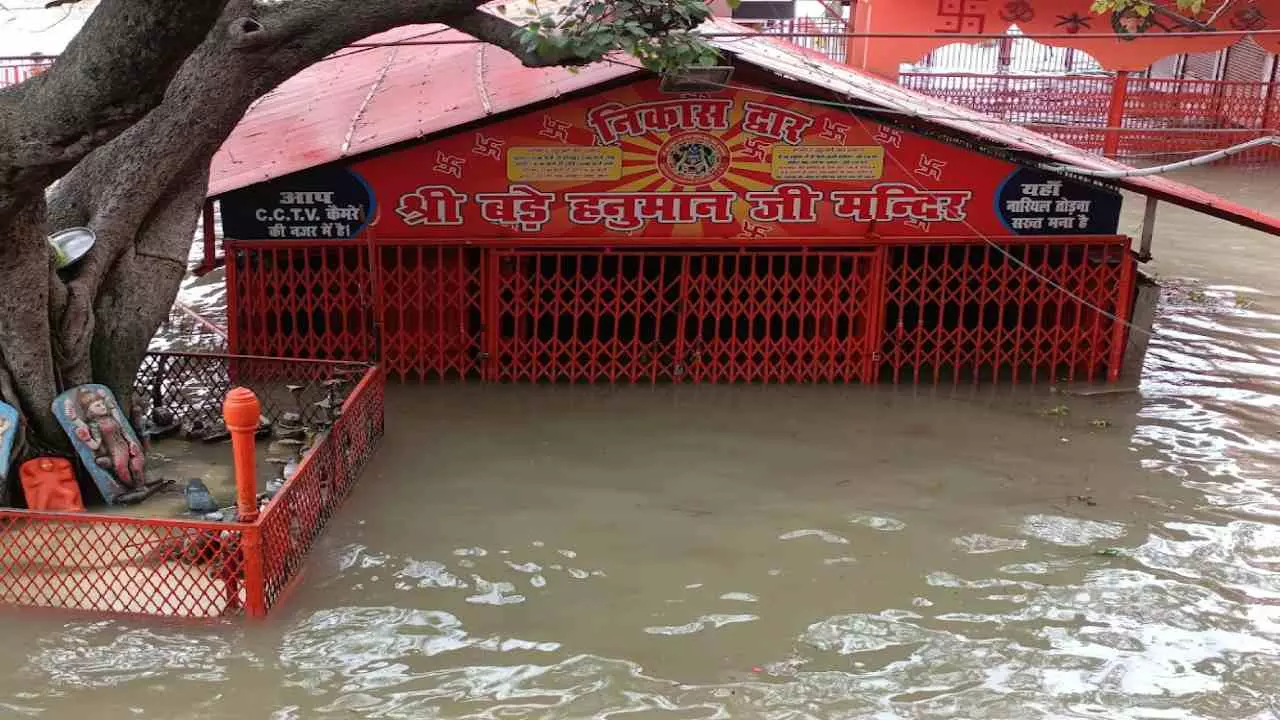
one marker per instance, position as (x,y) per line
(294,518)
(190,568)
(902,311)
(14,70)
(823,34)
(1161,117)
(190,330)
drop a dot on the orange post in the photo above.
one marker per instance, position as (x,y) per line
(1115,114)
(241,411)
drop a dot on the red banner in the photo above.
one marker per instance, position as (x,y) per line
(1074,20)
(640,163)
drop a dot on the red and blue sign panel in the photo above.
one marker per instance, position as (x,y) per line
(636,163)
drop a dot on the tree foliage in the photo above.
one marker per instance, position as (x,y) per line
(658,33)
(1143,8)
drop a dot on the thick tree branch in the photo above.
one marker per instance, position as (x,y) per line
(501,32)
(111,74)
(119,189)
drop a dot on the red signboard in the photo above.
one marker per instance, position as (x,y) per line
(636,163)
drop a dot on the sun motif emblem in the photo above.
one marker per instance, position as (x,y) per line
(693,158)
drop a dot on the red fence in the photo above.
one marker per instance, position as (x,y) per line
(14,70)
(187,568)
(1027,311)
(1159,117)
(822,34)
(900,312)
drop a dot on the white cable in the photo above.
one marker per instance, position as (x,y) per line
(1170,167)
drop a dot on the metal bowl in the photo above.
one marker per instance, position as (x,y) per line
(70,245)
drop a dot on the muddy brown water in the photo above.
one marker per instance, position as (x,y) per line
(746,552)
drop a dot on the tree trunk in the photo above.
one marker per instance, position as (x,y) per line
(28,379)
(142,188)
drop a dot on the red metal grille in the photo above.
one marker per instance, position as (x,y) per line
(295,517)
(321,303)
(193,385)
(431,318)
(300,302)
(707,317)
(589,316)
(180,568)
(785,317)
(120,565)
(1026,99)
(1035,311)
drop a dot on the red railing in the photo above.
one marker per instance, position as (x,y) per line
(191,330)
(822,34)
(14,70)
(897,311)
(1159,117)
(1066,94)
(193,568)
(294,518)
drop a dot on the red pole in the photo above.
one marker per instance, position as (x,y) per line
(210,240)
(1115,114)
(1124,312)
(241,411)
(1269,97)
(1005,57)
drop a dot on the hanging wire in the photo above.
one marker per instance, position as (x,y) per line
(1269,141)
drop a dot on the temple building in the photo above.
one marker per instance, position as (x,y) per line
(784,218)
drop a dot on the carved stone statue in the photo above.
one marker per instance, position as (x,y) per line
(103,438)
(8,431)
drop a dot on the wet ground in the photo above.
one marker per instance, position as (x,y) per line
(701,552)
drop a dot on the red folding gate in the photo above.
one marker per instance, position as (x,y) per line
(704,317)
(1049,309)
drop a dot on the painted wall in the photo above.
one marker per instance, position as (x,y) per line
(1072,17)
(638,165)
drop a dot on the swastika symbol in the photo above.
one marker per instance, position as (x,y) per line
(554,129)
(832,130)
(889,136)
(930,167)
(961,16)
(488,146)
(754,231)
(921,225)
(755,148)
(449,164)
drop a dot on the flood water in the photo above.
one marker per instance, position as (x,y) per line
(747,552)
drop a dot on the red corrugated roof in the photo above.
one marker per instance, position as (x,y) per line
(372,98)
(375,97)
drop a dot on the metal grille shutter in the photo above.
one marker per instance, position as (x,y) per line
(1246,62)
(1201,66)
(1164,68)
